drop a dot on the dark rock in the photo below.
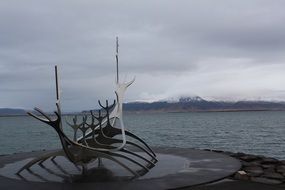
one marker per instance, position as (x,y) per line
(268,166)
(255,163)
(248,158)
(269,161)
(233,155)
(239,154)
(253,171)
(218,151)
(280,168)
(266,180)
(269,170)
(273,175)
(241,175)
(245,164)
(283,173)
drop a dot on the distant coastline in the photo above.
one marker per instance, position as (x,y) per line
(197,104)
(10,112)
(188,104)
(198,111)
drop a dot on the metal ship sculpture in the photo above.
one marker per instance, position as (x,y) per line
(103,136)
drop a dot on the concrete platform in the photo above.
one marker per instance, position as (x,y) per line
(177,168)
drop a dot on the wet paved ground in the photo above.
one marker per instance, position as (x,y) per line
(178,168)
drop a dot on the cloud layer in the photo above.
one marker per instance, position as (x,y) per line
(222,49)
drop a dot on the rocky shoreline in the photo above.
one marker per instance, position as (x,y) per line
(258,168)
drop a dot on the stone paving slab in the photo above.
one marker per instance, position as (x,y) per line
(203,167)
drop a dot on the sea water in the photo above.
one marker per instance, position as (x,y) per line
(261,132)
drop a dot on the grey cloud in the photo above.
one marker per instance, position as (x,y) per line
(179,47)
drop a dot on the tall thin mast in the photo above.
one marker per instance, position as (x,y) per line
(56,84)
(117,58)
(57,94)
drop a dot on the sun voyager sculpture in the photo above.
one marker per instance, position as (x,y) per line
(103,136)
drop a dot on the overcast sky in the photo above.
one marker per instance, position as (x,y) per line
(222,50)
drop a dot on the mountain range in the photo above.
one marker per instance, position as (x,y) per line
(184,104)
(192,104)
(11,111)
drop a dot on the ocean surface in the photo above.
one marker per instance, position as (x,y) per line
(260,132)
